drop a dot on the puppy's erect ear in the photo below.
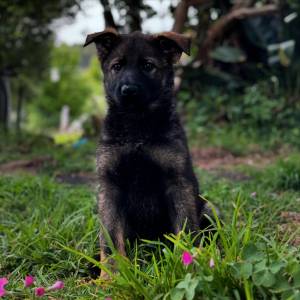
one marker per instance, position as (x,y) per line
(173,44)
(104,40)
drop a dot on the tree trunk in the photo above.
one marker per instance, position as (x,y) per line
(181,13)
(108,17)
(19,108)
(135,22)
(4,104)
(180,16)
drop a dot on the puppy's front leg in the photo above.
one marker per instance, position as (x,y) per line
(183,207)
(113,223)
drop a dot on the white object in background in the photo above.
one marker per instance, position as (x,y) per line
(77,125)
(64,118)
(54,74)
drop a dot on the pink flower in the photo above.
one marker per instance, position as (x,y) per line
(29,280)
(108,298)
(57,285)
(211,263)
(3,282)
(187,258)
(253,194)
(40,291)
(2,291)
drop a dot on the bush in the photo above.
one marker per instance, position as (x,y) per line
(260,107)
(68,88)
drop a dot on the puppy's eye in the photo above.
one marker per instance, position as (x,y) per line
(148,66)
(116,67)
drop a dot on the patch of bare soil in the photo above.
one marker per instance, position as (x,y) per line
(216,158)
(25,165)
(291,226)
(33,166)
(77,178)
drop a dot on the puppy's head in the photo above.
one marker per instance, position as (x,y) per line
(138,68)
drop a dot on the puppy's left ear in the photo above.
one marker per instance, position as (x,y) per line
(173,44)
(105,41)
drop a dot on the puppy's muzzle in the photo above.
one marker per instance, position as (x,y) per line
(129,90)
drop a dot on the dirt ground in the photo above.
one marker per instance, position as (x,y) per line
(209,158)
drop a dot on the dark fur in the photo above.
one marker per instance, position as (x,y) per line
(147,184)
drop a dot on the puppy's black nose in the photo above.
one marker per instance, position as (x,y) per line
(129,89)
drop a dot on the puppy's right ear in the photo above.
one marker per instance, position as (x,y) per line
(105,41)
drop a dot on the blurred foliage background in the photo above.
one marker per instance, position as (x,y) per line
(243,76)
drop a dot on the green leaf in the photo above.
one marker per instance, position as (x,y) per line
(264,278)
(275,267)
(228,54)
(177,294)
(252,253)
(296,279)
(242,270)
(282,285)
(159,296)
(209,278)
(288,295)
(246,270)
(184,284)
(296,295)
(190,292)
(187,286)
(260,266)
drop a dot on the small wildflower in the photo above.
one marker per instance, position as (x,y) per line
(211,263)
(28,281)
(40,291)
(108,298)
(187,258)
(2,291)
(57,285)
(253,194)
(3,282)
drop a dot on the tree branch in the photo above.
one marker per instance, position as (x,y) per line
(217,30)
(181,12)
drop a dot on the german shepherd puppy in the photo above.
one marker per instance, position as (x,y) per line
(147,184)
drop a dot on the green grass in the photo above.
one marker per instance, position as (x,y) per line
(37,216)
(58,158)
(50,230)
(239,140)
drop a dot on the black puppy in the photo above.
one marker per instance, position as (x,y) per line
(147,184)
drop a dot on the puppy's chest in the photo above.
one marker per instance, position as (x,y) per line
(138,168)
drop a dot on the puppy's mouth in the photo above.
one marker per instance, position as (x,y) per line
(133,96)
(134,102)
